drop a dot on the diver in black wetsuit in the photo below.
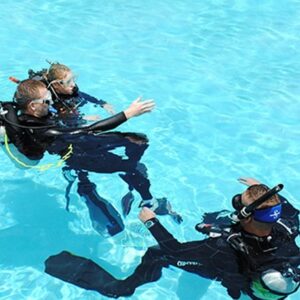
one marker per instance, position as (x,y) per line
(256,255)
(35,131)
(38,132)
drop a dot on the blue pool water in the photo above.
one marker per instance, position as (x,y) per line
(225,76)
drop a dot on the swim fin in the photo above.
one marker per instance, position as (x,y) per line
(162,206)
(71,179)
(127,201)
(105,218)
(81,272)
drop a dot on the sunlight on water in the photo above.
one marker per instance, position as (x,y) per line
(225,77)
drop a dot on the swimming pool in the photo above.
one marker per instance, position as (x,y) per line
(225,77)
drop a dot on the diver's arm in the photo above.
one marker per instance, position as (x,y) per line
(108,123)
(106,106)
(164,238)
(248,181)
(231,276)
(92,99)
(102,125)
(235,283)
(136,108)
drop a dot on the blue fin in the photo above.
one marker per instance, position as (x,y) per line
(162,206)
(165,208)
(127,201)
(71,179)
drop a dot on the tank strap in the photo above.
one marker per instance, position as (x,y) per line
(43,167)
(286,227)
(237,242)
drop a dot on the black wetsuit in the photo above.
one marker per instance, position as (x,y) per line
(85,149)
(91,152)
(213,258)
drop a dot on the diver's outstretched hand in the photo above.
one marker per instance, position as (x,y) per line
(139,107)
(248,181)
(146,214)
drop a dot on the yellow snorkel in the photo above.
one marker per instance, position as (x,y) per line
(22,161)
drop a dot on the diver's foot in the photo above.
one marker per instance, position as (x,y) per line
(127,201)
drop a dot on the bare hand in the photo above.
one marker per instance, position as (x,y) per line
(138,107)
(146,214)
(92,118)
(109,108)
(248,181)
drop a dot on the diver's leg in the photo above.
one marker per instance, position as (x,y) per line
(136,172)
(104,217)
(137,145)
(140,183)
(86,274)
(149,270)
(108,162)
(77,270)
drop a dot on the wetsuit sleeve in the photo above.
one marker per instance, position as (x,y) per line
(164,238)
(102,125)
(92,99)
(108,123)
(289,212)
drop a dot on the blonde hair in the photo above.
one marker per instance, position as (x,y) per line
(57,71)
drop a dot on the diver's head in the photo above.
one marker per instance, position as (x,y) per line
(33,98)
(61,79)
(258,216)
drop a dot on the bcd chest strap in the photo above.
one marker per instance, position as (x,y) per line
(244,242)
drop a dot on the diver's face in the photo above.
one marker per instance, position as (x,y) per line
(65,85)
(40,107)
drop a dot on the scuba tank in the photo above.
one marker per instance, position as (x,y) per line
(2,133)
(275,284)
